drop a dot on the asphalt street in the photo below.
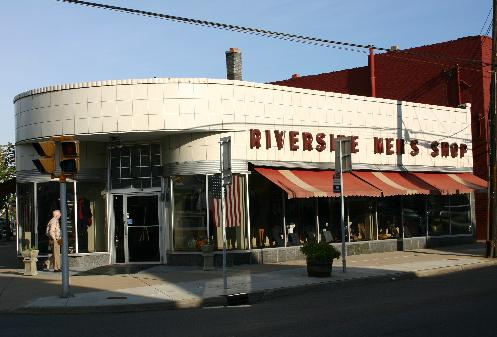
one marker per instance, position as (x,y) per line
(456,304)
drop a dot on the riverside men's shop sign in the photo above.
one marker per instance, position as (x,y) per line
(307,141)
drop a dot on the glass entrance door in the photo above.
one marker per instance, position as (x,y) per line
(142,227)
(136,228)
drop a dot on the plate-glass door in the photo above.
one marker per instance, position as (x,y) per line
(142,228)
(136,228)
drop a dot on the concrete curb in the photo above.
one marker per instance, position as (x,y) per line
(253,297)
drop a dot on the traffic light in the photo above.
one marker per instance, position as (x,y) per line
(69,157)
(46,151)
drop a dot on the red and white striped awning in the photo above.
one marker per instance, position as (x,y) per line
(453,183)
(395,183)
(308,184)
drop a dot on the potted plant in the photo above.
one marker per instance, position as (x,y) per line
(319,258)
(30,257)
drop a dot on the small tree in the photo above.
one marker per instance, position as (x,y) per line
(7,172)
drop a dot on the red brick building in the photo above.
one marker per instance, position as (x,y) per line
(448,73)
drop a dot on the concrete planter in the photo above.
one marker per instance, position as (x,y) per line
(319,268)
(30,257)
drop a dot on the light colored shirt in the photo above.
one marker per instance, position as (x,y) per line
(54,231)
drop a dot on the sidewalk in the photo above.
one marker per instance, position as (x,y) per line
(168,287)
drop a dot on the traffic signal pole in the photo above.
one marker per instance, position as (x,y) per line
(65,244)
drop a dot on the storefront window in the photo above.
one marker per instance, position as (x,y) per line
(438,215)
(47,201)
(135,166)
(389,218)
(301,221)
(190,212)
(90,217)
(266,217)
(329,219)
(414,215)
(460,214)
(361,218)
(236,213)
(25,215)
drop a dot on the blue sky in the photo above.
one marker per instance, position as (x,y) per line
(46,42)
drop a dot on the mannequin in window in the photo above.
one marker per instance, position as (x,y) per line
(84,221)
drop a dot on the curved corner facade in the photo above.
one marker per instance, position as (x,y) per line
(149,155)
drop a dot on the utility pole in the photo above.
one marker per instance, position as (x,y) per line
(492,184)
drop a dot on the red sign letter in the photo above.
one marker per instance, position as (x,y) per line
(453,150)
(378,145)
(293,140)
(463,148)
(354,144)
(332,142)
(444,146)
(321,142)
(268,139)
(434,148)
(414,147)
(280,138)
(389,146)
(399,146)
(307,141)
(255,138)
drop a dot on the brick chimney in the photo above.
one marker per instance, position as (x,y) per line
(234,64)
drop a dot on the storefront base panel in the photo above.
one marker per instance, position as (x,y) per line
(284,254)
(433,241)
(83,261)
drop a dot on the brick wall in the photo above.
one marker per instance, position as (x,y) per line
(428,74)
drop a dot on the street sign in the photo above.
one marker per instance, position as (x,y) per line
(336,183)
(226,160)
(344,148)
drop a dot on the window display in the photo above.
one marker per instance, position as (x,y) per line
(25,215)
(90,217)
(236,214)
(190,212)
(389,218)
(361,219)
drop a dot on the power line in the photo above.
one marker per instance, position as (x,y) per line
(485,23)
(349,46)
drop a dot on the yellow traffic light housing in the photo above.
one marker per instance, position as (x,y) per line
(69,157)
(46,151)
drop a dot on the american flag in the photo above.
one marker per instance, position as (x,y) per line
(234,203)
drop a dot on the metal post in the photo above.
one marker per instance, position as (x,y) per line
(283,211)
(492,238)
(65,244)
(247,211)
(223,216)
(342,219)
(316,212)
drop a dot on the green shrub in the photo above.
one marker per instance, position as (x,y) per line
(319,251)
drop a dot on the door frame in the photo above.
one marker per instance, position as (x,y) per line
(125,225)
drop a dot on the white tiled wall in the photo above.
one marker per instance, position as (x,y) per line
(187,105)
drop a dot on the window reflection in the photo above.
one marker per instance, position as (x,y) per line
(438,215)
(414,215)
(460,214)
